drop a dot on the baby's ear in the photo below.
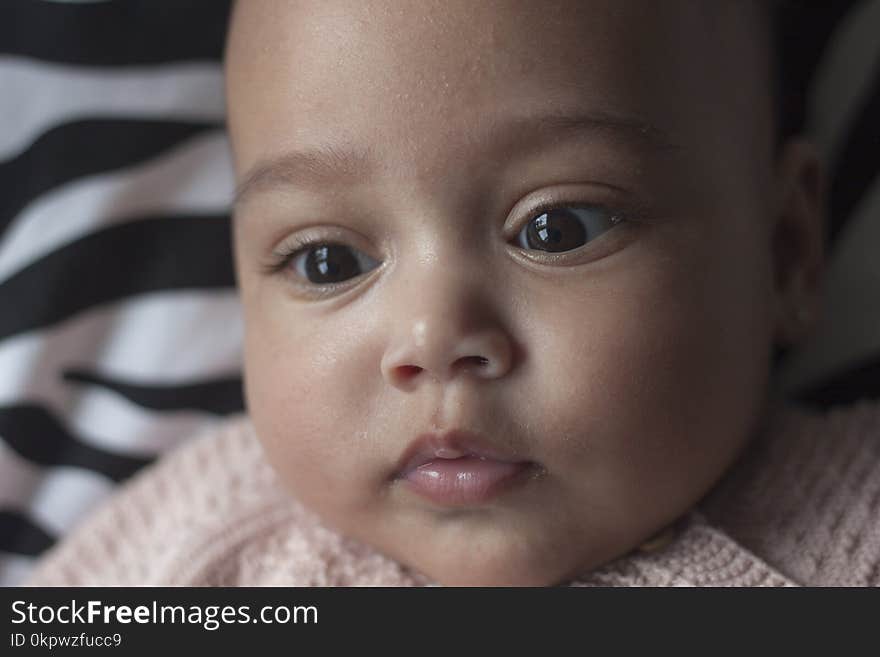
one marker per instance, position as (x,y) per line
(798,239)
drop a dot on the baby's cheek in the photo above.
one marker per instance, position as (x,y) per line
(642,402)
(305,401)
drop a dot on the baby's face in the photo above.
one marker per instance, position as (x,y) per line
(545,224)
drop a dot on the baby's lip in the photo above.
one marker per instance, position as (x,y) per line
(451,444)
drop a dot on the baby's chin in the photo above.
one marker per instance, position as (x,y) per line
(497,573)
(503,571)
(499,562)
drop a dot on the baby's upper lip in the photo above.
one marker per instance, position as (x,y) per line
(451,444)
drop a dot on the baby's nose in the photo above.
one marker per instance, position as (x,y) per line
(436,350)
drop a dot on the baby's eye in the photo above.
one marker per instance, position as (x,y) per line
(325,264)
(565,228)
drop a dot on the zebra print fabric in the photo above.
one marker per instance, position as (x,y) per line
(120,329)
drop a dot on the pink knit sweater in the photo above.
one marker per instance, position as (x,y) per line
(801,507)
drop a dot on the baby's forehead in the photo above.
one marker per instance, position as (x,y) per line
(297,69)
(366,25)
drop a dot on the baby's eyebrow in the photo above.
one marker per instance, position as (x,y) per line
(313,167)
(341,164)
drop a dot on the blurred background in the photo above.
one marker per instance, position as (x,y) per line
(120,329)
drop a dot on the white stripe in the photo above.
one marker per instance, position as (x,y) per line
(843,78)
(54,499)
(14,569)
(107,421)
(39,95)
(173,337)
(849,329)
(162,338)
(194,177)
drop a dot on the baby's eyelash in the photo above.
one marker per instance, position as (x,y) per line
(288,251)
(616,216)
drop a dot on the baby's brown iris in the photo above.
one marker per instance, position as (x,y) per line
(556,230)
(333,263)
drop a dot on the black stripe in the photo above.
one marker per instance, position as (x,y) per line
(802,32)
(858,161)
(84,148)
(19,535)
(220,397)
(117,33)
(38,436)
(145,255)
(846,387)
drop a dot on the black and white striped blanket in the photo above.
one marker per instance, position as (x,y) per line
(120,329)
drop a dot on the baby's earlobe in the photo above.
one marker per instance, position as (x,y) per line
(798,311)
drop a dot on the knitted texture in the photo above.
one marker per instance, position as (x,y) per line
(801,506)
(808,501)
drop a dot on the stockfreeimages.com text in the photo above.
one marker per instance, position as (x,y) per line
(211,617)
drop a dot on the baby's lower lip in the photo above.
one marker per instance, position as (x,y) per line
(466,480)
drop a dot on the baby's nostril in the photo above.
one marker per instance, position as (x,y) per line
(409,371)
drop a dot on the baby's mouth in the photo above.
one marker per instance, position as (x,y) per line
(458,468)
